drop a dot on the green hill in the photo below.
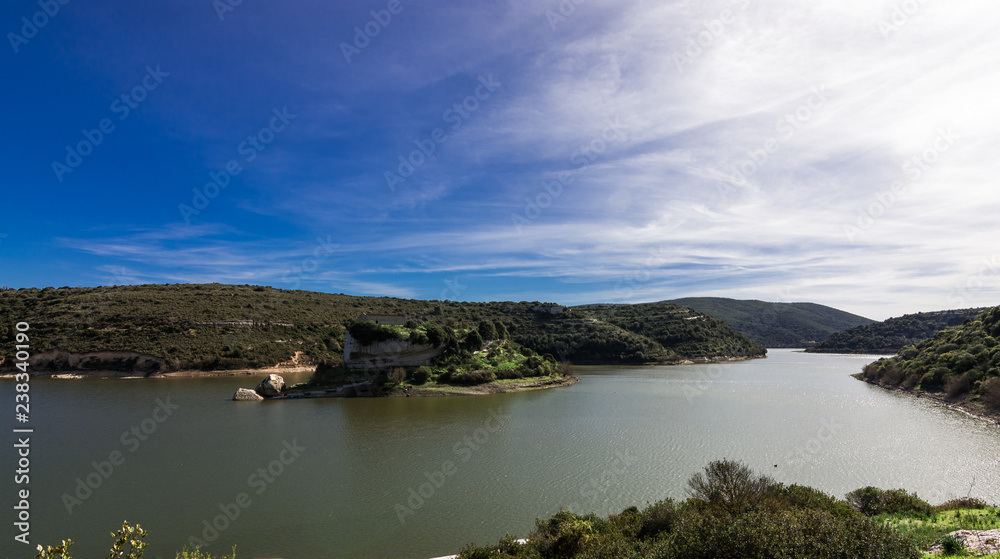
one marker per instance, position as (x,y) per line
(961,363)
(225,327)
(776,324)
(891,335)
(687,332)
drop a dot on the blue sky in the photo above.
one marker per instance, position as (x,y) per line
(841,152)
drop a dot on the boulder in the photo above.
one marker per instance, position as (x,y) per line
(977,542)
(271,386)
(246,395)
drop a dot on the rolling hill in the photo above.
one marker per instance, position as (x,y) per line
(226,327)
(889,336)
(776,324)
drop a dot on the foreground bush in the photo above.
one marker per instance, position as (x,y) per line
(872,501)
(732,513)
(128,545)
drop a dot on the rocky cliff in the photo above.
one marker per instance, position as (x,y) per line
(387,354)
(124,362)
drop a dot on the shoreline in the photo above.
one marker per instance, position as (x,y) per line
(184,373)
(495,387)
(991,417)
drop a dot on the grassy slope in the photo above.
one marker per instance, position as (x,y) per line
(896,333)
(925,530)
(176,322)
(776,324)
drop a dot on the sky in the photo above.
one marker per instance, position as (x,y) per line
(838,152)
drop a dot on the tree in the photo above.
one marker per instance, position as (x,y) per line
(473,341)
(731,487)
(502,333)
(487,330)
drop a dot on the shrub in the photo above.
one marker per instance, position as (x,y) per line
(990,391)
(420,376)
(396,375)
(473,341)
(951,546)
(472,377)
(564,535)
(962,503)
(367,333)
(487,330)
(872,501)
(658,518)
(731,487)
(957,385)
(891,374)
(800,496)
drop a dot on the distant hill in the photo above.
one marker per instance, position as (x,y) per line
(889,336)
(687,332)
(227,327)
(960,364)
(776,324)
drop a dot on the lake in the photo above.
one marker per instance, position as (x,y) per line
(421,477)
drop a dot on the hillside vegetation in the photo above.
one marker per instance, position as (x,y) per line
(892,335)
(776,324)
(225,327)
(687,333)
(961,364)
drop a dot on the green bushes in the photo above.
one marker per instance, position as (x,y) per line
(990,390)
(731,487)
(732,513)
(367,333)
(128,544)
(962,503)
(962,362)
(872,501)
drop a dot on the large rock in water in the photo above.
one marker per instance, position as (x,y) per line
(247,395)
(271,386)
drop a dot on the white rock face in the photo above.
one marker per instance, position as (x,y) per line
(247,395)
(387,354)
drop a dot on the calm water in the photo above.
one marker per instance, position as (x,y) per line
(408,477)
